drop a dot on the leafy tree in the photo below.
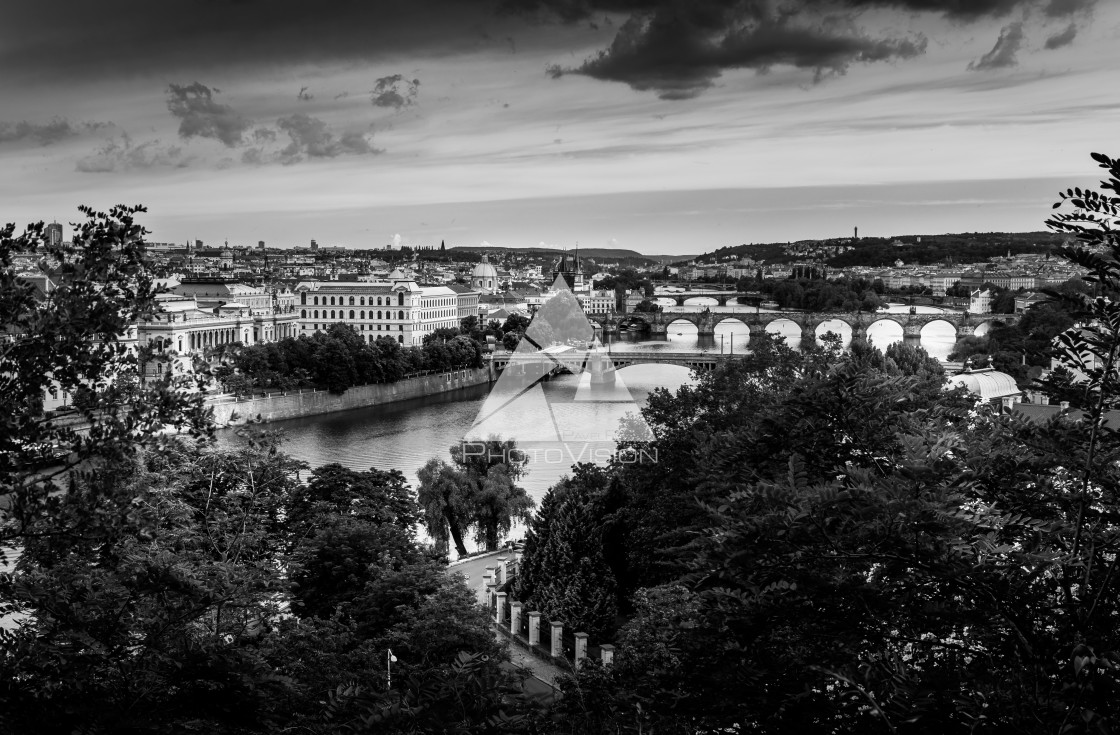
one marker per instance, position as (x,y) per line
(71,338)
(565,574)
(446,500)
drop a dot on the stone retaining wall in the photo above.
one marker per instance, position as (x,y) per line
(309,403)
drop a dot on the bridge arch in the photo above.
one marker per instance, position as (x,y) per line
(700,300)
(839,327)
(732,334)
(788,329)
(884,332)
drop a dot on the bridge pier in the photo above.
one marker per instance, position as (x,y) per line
(912,334)
(601,369)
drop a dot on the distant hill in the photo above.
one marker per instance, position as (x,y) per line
(600,255)
(968,247)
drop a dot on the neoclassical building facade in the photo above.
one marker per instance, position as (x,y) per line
(396,308)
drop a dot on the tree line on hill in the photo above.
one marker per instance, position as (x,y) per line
(876,252)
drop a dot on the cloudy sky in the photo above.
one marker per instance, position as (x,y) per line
(666,126)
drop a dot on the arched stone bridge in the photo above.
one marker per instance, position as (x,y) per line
(721,296)
(964,324)
(596,361)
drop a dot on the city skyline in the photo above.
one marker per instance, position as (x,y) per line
(680,131)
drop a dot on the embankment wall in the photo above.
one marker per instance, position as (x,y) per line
(295,404)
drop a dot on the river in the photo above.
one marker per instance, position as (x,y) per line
(405,435)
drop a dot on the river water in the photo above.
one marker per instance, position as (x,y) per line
(405,435)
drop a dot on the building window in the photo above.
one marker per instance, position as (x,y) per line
(400,328)
(400,339)
(316,313)
(401,316)
(400,298)
(362,301)
(351,311)
(332,311)
(362,314)
(303,314)
(379,301)
(379,313)
(351,301)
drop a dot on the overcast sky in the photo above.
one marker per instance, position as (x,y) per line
(656,125)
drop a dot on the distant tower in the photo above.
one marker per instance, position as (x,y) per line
(260,244)
(314,245)
(54,234)
(856,236)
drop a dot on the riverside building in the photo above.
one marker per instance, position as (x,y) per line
(397,307)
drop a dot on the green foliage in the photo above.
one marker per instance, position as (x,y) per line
(871,554)
(340,358)
(72,338)
(564,573)
(845,294)
(479,489)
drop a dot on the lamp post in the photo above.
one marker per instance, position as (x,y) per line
(390,659)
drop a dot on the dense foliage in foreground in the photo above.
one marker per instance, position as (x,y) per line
(827,543)
(831,543)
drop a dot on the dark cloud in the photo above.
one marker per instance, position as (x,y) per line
(312,138)
(304,95)
(1062,8)
(1003,53)
(680,47)
(45,133)
(81,39)
(679,52)
(264,135)
(201,116)
(395,91)
(580,10)
(1062,38)
(121,154)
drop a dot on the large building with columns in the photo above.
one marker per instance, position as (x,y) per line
(395,308)
(205,313)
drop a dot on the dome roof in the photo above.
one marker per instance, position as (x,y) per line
(988,384)
(484,270)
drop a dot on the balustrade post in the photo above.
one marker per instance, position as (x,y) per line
(557,639)
(581,648)
(534,628)
(606,654)
(500,612)
(515,617)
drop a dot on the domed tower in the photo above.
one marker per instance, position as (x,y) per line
(484,278)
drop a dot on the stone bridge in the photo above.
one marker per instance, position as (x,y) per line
(657,323)
(599,361)
(721,296)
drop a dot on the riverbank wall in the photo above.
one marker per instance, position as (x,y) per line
(295,404)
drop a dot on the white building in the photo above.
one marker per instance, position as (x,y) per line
(980,302)
(396,308)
